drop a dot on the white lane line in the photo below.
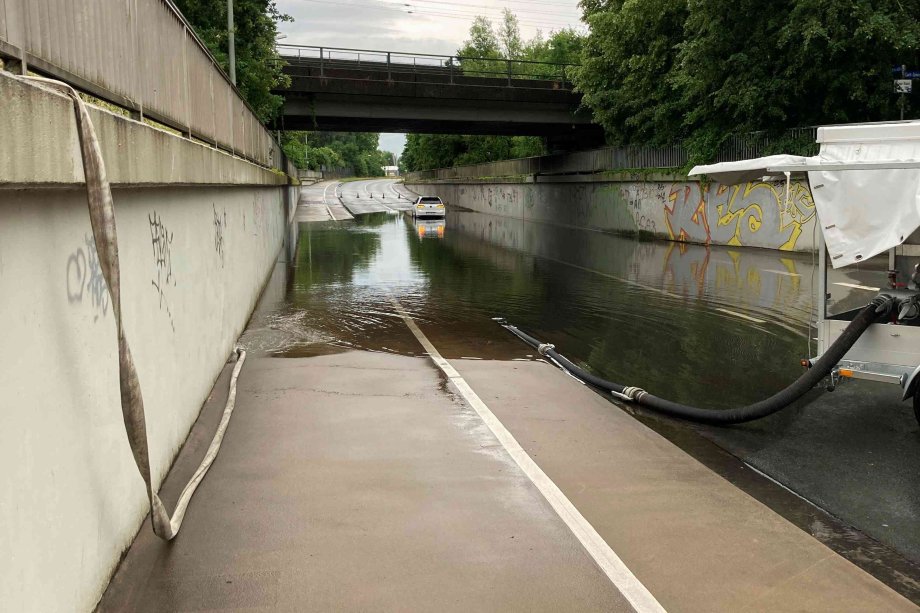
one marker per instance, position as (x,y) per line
(616,278)
(855,286)
(326,204)
(741,315)
(645,287)
(783,272)
(609,562)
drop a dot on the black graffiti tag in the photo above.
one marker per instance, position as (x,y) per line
(161,241)
(220,222)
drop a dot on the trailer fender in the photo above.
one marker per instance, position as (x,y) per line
(910,383)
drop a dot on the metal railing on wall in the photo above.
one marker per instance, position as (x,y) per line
(143,56)
(735,147)
(394,65)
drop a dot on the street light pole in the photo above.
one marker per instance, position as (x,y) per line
(231,42)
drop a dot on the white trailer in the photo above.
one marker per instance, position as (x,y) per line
(866,186)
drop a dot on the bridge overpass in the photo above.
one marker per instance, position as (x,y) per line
(382,91)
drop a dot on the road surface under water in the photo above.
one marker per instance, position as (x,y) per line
(715,327)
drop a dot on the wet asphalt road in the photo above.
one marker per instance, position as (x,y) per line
(714,327)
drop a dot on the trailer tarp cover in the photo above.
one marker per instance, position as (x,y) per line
(865,206)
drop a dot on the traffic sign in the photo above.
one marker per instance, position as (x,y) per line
(903,86)
(912,74)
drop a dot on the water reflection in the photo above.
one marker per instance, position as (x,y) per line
(682,320)
(430,228)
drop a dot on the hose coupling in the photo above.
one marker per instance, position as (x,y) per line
(634,393)
(883,304)
(544,347)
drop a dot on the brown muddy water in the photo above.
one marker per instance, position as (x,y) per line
(715,327)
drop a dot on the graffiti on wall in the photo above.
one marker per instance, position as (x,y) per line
(85,280)
(161,241)
(756,213)
(637,197)
(220,223)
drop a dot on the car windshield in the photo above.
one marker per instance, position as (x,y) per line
(432,200)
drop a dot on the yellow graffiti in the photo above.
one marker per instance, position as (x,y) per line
(728,214)
(758,208)
(746,203)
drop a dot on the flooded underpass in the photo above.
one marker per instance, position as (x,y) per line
(714,327)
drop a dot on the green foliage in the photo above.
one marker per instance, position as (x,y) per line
(656,71)
(509,36)
(332,150)
(482,45)
(629,53)
(428,151)
(258,66)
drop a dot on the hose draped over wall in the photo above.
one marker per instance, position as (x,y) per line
(102,220)
(874,311)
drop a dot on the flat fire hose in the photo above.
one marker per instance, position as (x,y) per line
(102,219)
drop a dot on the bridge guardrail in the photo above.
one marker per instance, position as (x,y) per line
(142,56)
(514,72)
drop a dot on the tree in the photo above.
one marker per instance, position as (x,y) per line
(258,66)
(509,36)
(627,65)
(317,150)
(658,71)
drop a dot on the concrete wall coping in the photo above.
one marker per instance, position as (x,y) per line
(598,177)
(40,147)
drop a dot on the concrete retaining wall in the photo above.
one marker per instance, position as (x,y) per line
(670,208)
(194,253)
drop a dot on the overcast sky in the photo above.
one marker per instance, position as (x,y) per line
(418,26)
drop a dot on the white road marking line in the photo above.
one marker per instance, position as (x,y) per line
(609,562)
(646,287)
(741,315)
(326,204)
(855,286)
(616,278)
(783,272)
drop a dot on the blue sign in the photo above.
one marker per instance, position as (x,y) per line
(908,74)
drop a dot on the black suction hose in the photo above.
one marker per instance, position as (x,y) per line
(874,311)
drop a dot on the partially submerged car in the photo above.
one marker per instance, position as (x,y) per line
(428,206)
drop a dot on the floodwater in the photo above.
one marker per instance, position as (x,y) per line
(715,327)
(675,319)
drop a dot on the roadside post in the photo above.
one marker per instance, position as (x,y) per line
(905,84)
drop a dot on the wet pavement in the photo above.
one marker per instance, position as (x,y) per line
(714,327)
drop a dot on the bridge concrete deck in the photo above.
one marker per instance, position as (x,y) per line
(360,481)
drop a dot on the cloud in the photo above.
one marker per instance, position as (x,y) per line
(434,26)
